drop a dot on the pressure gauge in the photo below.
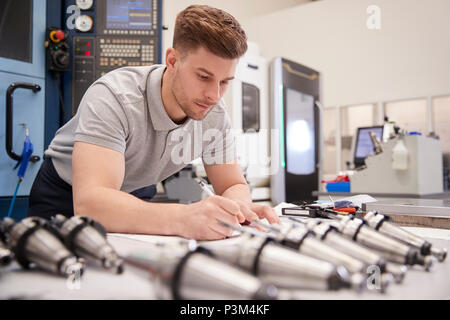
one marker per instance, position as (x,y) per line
(84,23)
(85,4)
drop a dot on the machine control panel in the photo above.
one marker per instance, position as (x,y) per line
(123,33)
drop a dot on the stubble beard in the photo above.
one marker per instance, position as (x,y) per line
(183,102)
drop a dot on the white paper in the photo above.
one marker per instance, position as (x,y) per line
(359,199)
(283,205)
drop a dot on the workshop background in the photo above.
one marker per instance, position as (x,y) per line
(341,114)
(376,60)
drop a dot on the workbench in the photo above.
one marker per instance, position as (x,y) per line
(16,283)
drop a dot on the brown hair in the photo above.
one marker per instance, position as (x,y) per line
(211,28)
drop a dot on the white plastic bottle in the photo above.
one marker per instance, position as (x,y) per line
(400,156)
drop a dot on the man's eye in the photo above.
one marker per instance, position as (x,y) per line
(203,77)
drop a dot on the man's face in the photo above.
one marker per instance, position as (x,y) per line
(200,80)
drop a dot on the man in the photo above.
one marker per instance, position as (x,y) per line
(126,133)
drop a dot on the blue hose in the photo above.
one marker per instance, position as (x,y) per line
(22,164)
(11,206)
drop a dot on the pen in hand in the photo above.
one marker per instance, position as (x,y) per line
(208,191)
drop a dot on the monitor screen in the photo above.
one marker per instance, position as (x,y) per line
(364,145)
(16,33)
(129,15)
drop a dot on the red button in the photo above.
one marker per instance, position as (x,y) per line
(59,35)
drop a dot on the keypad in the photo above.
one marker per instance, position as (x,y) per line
(126,52)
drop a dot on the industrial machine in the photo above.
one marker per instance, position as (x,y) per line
(22,96)
(406,165)
(295,115)
(56,50)
(183,187)
(247,102)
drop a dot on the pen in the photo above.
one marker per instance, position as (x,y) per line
(331,199)
(205,188)
(208,191)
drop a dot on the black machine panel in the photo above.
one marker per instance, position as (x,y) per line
(83,74)
(115,33)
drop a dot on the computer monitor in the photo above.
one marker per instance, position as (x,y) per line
(364,146)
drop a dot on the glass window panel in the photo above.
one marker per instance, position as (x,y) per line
(352,118)
(329,137)
(441,111)
(300,139)
(410,115)
(16,29)
(250,107)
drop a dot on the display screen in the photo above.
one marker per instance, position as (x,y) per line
(300,133)
(16,20)
(129,15)
(364,145)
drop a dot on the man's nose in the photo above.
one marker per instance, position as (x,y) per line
(212,92)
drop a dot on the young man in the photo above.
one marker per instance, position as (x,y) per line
(126,136)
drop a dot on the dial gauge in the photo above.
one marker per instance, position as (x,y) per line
(85,4)
(84,23)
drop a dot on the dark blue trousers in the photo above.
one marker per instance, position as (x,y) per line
(50,195)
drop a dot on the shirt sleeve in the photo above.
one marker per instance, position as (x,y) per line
(220,145)
(103,119)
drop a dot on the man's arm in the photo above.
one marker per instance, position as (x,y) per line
(98,173)
(228,181)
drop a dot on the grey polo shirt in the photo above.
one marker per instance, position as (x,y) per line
(123,111)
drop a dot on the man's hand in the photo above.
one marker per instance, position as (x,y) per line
(254,211)
(200,219)
(228,181)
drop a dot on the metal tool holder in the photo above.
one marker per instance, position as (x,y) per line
(187,271)
(34,241)
(87,239)
(285,267)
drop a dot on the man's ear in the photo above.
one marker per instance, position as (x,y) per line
(172,57)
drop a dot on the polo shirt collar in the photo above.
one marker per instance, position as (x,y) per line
(160,119)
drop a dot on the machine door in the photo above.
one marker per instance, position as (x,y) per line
(22,60)
(301,131)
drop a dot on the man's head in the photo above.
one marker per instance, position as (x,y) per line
(210,28)
(206,47)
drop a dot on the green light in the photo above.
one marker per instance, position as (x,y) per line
(56,48)
(283,161)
